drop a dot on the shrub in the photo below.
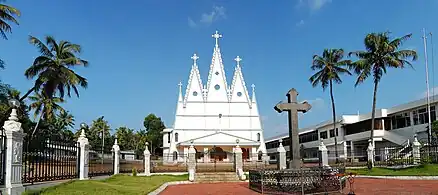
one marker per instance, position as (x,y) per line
(134,172)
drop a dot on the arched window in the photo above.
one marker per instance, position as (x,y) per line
(175,155)
(258,137)
(176,137)
(168,137)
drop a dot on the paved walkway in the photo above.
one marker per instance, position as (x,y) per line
(362,186)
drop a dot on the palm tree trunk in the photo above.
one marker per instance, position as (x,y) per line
(334,121)
(27,94)
(373,112)
(36,126)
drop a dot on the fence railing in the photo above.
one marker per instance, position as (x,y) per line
(298,181)
(127,166)
(2,155)
(52,161)
(99,165)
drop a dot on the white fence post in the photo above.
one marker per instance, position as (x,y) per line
(416,150)
(192,162)
(147,160)
(116,150)
(14,150)
(84,150)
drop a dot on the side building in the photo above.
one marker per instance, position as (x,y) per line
(395,126)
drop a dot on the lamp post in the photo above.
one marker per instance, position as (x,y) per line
(103,137)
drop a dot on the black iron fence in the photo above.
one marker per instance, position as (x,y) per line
(51,161)
(393,156)
(100,163)
(2,155)
(129,166)
(216,162)
(175,162)
(298,181)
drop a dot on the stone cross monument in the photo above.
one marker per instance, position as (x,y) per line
(293,107)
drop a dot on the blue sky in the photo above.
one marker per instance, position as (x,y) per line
(139,50)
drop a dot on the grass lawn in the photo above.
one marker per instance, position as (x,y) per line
(118,184)
(423,170)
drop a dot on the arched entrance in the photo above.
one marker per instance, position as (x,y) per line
(217,154)
(245,153)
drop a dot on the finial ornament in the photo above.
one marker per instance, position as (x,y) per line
(238,59)
(217,36)
(194,58)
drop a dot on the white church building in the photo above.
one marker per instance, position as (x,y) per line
(215,116)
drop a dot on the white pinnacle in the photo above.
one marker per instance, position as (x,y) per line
(194,58)
(217,36)
(238,59)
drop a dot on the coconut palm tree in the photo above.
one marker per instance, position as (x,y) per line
(45,107)
(8,15)
(329,67)
(53,68)
(64,120)
(381,52)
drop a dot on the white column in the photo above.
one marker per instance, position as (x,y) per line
(345,151)
(370,153)
(84,149)
(416,150)
(147,160)
(186,152)
(14,149)
(254,155)
(116,150)
(192,162)
(281,156)
(352,151)
(238,161)
(206,155)
(323,151)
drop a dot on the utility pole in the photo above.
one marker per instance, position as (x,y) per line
(427,85)
(103,137)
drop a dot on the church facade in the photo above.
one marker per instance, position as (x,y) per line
(215,117)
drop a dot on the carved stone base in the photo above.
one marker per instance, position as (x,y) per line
(16,189)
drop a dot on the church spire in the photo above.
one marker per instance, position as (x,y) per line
(217,82)
(253,94)
(239,93)
(194,86)
(180,99)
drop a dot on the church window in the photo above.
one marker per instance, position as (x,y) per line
(168,137)
(239,93)
(217,87)
(216,73)
(258,137)
(195,93)
(176,137)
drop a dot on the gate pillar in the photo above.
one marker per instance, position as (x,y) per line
(238,161)
(191,166)
(14,150)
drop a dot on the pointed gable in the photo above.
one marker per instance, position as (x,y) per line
(239,93)
(217,88)
(194,85)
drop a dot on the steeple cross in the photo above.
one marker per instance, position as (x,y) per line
(293,107)
(238,59)
(194,58)
(216,36)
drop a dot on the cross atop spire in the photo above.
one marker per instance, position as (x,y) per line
(217,36)
(253,87)
(238,59)
(194,58)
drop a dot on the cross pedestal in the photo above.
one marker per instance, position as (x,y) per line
(293,107)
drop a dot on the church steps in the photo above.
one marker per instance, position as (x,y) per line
(216,177)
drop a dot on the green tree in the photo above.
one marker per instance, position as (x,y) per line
(8,15)
(154,126)
(125,138)
(44,106)
(54,68)
(140,138)
(329,67)
(94,135)
(381,52)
